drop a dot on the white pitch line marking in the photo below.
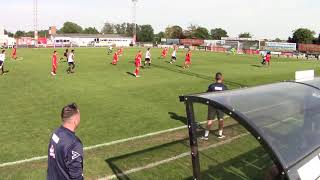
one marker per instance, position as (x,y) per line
(96,146)
(155,164)
(121,140)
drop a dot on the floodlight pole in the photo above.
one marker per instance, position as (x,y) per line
(192,127)
(35,21)
(134,13)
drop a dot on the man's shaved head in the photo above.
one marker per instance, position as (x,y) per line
(69,111)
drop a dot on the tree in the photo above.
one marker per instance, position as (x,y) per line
(10,34)
(159,36)
(120,28)
(108,28)
(70,27)
(90,30)
(245,35)
(174,32)
(218,33)
(145,33)
(277,40)
(303,35)
(29,34)
(201,33)
(189,33)
(19,34)
(43,33)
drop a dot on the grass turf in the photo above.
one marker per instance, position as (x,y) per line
(114,105)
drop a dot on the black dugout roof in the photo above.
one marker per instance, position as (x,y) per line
(284,117)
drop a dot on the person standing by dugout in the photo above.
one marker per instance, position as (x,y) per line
(218,86)
(65,150)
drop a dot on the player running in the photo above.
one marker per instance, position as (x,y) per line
(54,63)
(65,54)
(164,53)
(110,50)
(148,58)
(14,53)
(174,56)
(187,61)
(138,63)
(71,63)
(218,86)
(268,58)
(116,57)
(2,59)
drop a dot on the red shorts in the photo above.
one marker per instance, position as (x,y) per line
(138,64)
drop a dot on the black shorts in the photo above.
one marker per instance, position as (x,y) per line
(213,112)
(174,58)
(147,59)
(70,63)
(1,62)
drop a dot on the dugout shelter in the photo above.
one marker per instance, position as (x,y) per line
(283,117)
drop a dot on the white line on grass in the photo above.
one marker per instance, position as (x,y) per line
(96,146)
(155,164)
(121,140)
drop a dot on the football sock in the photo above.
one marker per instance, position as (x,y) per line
(206,134)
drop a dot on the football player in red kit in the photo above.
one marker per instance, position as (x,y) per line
(116,57)
(164,53)
(121,51)
(268,58)
(187,61)
(54,63)
(138,63)
(14,53)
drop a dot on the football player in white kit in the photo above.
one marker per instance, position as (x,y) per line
(2,58)
(71,62)
(148,58)
(174,56)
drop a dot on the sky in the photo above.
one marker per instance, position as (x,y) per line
(262,18)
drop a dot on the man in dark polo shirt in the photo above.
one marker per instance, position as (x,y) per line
(65,151)
(212,112)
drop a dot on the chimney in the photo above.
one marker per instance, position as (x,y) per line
(52,30)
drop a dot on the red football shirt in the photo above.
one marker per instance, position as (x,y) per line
(54,60)
(115,57)
(188,56)
(138,58)
(268,57)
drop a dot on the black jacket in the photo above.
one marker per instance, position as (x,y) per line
(65,156)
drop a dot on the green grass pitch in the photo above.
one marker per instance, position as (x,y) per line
(115,105)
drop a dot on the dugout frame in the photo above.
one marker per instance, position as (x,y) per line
(295,160)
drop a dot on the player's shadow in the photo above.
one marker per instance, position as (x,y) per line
(131,74)
(258,66)
(175,116)
(196,75)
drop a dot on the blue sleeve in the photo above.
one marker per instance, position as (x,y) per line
(75,161)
